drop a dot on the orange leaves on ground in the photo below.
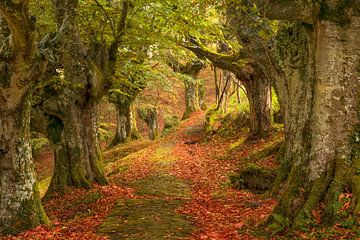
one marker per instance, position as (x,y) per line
(219,212)
(77,213)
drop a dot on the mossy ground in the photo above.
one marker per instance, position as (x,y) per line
(154,215)
(152,219)
(163,185)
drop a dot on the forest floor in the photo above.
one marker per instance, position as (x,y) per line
(174,188)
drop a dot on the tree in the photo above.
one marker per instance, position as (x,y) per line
(123,93)
(316,68)
(20,65)
(191,71)
(86,69)
(256,83)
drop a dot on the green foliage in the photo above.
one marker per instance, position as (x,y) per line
(45,17)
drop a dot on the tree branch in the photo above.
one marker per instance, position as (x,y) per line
(233,63)
(305,11)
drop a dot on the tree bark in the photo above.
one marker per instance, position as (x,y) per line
(191,97)
(123,127)
(202,95)
(20,205)
(258,92)
(149,116)
(316,72)
(78,160)
(320,135)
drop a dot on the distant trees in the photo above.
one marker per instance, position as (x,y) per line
(256,83)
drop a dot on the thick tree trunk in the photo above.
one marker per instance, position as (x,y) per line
(321,71)
(93,154)
(20,205)
(78,159)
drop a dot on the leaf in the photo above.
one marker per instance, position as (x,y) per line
(239,225)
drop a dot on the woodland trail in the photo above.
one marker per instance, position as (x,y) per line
(174,188)
(182,191)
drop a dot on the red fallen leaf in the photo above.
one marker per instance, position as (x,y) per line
(317,216)
(239,225)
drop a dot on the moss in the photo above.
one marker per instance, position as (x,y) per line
(5,75)
(254,178)
(152,219)
(162,186)
(43,185)
(272,149)
(170,123)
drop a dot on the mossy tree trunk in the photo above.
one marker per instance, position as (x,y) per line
(78,160)
(150,117)
(258,92)
(126,128)
(20,206)
(193,92)
(317,81)
(134,133)
(191,97)
(202,95)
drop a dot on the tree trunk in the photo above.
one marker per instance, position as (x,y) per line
(123,127)
(152,124)
(78,160)
(93,154)
(258,92)
(19,197)
(126,128)
(20,205)
(202,95)
(191,97)
(134,132)
(75,163)
(149,116)
(321,93)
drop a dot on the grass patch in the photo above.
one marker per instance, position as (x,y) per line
(238,143)
(163,157)
(269,149)
(124,150)
(151,219)
(162,186)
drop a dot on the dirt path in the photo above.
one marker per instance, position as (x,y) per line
(182,191)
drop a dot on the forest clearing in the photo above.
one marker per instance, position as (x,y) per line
(159,119)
